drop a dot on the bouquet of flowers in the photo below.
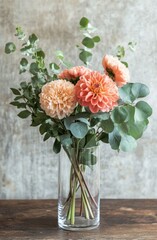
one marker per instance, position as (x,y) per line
(79,107)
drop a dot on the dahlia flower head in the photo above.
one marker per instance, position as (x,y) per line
(58,99)
(73,73)
(119,71)
(96,91)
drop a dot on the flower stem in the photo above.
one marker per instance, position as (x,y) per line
(85,208)
(73,204)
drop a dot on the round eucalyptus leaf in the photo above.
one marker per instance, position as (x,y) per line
(10,47)
(79,129)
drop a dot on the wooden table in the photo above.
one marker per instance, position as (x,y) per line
(37,219)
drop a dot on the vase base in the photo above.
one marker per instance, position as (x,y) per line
(78,227)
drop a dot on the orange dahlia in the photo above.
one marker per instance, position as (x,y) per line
(118,71)
(57,98)
(97,91)
(73,73)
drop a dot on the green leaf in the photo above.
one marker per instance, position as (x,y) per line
(120,52)
(59,55)
(82,143)
(87,157)
(79,129)
(85,56)
(101,115)
(54,68)
(136,129)
(132,46)
(19,33)
(47,136)
(83,120)
(33,38)
(66,140)
(125,63)
(132,91)
(114,139)
(88,42)
(96,39)
(23,65)
(15,91)
(24,114)
(107,125)
(84,22)
(119,114)
(43,128)
(139,90)
(18,104)
(94,121)
(56,146)
(18,97)
(128,143)
(23,85)
(27,50)
(126,94)
(103,137)
(40,54)
(90,140)
(68,121)
(34,68)
(142,111)
(10,47)
(82,115)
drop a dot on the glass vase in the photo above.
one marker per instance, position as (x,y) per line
(79,188)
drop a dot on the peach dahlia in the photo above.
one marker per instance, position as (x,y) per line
(73,73)
(57,98)
(119,72)
(96,91)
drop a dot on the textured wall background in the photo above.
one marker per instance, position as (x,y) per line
(28,167)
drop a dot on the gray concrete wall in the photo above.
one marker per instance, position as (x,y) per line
(28,167)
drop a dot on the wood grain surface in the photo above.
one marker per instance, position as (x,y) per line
(37,219)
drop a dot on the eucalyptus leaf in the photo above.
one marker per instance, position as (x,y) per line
(101,115)
(87,157)
(54,67)
(33,39)
(120,52)
(23,65)
(10,47)
(142,111)
(84,22)
(131,91)
(88,42)
(104,137)
(19,33)
(85,56)
(79,129)
(107,125)
(91,140)
(119,114)
(139,90)
(96,39)
(136,129)
(127,144)
(114,139)
(66,140)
